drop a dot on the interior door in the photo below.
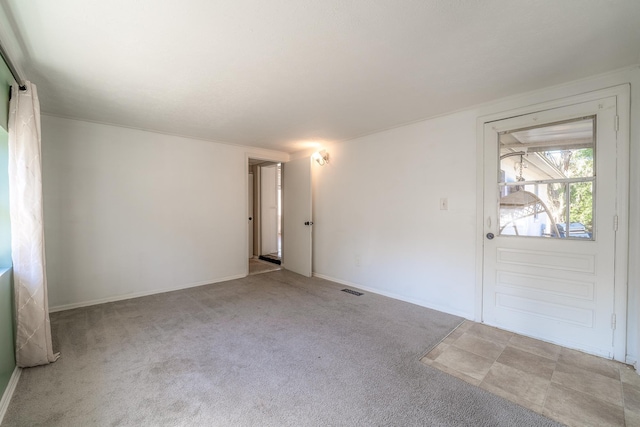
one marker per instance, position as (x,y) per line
(549,233)
(296,216)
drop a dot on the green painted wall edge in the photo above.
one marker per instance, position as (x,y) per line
(7,346)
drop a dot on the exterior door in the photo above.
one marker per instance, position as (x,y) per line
(296,200)
(550,221)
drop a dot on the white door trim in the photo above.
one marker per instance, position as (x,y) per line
(623,96)
(256,154)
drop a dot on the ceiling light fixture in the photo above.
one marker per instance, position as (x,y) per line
(321,157)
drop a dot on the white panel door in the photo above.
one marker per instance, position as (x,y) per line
(296,200)
(548,256)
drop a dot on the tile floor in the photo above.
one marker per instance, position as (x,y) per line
(568,386)
(257,266)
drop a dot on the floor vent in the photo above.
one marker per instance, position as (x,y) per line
(349,291)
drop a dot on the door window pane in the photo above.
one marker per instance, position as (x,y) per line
(546,180)
(581,209)
(523,212)
(574,163)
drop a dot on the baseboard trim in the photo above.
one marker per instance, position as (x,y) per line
(140,294)
(8,392)
(421,303)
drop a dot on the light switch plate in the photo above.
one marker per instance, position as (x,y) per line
(444,204)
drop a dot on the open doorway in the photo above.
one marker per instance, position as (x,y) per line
(265,216)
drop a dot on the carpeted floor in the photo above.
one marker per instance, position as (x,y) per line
(272,349)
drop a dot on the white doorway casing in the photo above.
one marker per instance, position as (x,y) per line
(250,214)
(255,160)
(596,321)
(268,210)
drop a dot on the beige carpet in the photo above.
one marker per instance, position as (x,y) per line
(273,349)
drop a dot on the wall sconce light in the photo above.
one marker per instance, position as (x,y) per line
(321,157)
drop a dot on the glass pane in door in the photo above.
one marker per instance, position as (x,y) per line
(547,180)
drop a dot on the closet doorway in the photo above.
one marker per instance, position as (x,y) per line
(264,216)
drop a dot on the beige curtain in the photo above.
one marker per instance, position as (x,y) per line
(33,340)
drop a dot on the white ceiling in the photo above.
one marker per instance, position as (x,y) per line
(282,74)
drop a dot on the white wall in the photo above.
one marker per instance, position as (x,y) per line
(129,212)
(377,223)
(377,220)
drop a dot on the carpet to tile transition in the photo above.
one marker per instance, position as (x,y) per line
(272,349)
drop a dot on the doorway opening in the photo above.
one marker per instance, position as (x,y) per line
(265,216)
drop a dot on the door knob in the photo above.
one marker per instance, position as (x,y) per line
(490,236)
(250,218)
(308,223)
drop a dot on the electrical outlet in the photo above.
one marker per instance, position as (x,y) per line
(357,260)
(444,204)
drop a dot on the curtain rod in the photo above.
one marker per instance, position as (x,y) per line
(12,69)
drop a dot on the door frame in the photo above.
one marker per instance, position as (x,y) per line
(257,154)
(623,103)
(251,212)
(266,237)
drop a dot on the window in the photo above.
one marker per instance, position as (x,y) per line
(547,180)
